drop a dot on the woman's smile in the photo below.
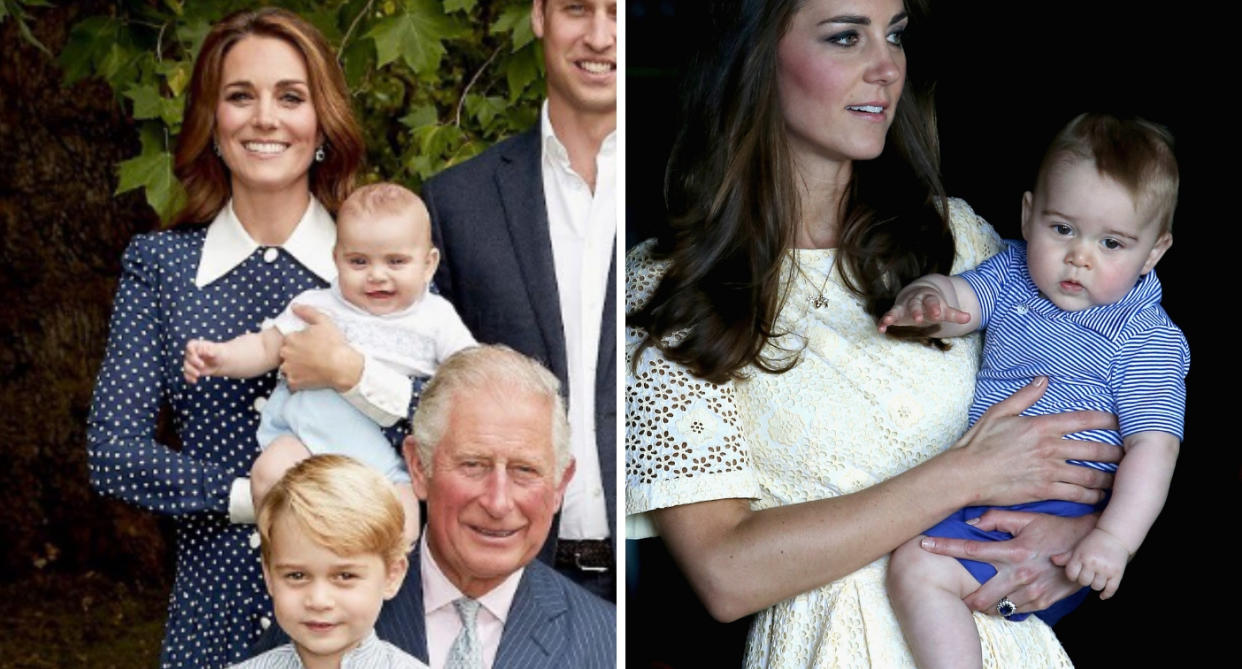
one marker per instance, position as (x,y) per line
(266,148)
(266,126)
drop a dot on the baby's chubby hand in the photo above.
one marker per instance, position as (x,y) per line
(1098,561)
(920,304)
(202,358)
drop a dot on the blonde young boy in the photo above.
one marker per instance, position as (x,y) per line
(1078,302)
(381,304)
(333,552)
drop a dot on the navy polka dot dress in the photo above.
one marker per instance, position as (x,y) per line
(218,605)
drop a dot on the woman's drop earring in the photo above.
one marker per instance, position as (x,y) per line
(319,154)
(215,146)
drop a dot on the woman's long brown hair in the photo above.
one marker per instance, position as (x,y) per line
(730,190)
(204,174)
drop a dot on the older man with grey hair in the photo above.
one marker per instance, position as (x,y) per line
(489,452)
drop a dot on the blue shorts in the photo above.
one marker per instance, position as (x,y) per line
(955,527)
(326,423)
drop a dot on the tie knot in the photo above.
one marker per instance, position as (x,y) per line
(468,609)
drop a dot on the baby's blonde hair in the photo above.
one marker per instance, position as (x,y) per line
(341,504)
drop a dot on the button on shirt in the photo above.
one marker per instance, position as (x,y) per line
(443,622)
(583,227)
(1126,358)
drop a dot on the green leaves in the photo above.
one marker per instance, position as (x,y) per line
(176,74)
(152,170)
(485,109)
(14,8)
(515,19)
(433,82)
(148,103)
(90,41)
(416,35)
(191,35)
(522,69)
(419,117)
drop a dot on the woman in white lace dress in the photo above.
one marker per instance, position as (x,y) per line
(777,443)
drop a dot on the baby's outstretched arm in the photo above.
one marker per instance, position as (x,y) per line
(249,355)
(1139,491)
(936,298)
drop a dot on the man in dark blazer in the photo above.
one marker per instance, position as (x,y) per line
(526,230)
(553,622)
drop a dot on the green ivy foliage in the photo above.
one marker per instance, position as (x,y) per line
(433,82)
(16,9)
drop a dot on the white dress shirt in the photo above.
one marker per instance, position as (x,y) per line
(382,393)
(443,622)
(583,227)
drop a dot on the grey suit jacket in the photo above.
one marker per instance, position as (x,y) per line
(553,622)
(490,222)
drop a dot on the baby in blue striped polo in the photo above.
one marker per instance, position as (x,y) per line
(1078,302)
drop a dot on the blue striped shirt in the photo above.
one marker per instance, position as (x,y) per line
(1125,358)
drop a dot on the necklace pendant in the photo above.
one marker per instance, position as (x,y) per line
(819,302)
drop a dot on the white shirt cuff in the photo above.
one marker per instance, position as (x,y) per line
(383,394)
(241,504)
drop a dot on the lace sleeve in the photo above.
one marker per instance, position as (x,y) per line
(974,238)
(683,441)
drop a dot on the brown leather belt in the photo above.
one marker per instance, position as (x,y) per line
(589,555)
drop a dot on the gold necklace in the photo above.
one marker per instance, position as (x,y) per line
(819,300)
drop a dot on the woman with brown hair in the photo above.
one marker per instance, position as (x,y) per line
(777,443)
(269,149)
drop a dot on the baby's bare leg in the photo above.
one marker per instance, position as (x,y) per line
(927,591)
(284,452)
(409,502)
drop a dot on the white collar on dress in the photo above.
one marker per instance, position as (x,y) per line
(228,244)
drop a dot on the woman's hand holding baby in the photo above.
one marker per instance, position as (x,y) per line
(1025,573)
(1011,459)
(319,356)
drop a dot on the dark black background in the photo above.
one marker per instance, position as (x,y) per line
(1009,75)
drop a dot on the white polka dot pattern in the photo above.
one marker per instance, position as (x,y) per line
(218,599)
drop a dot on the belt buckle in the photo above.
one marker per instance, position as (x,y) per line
(583,567)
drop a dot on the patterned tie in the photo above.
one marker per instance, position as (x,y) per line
(466,652)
